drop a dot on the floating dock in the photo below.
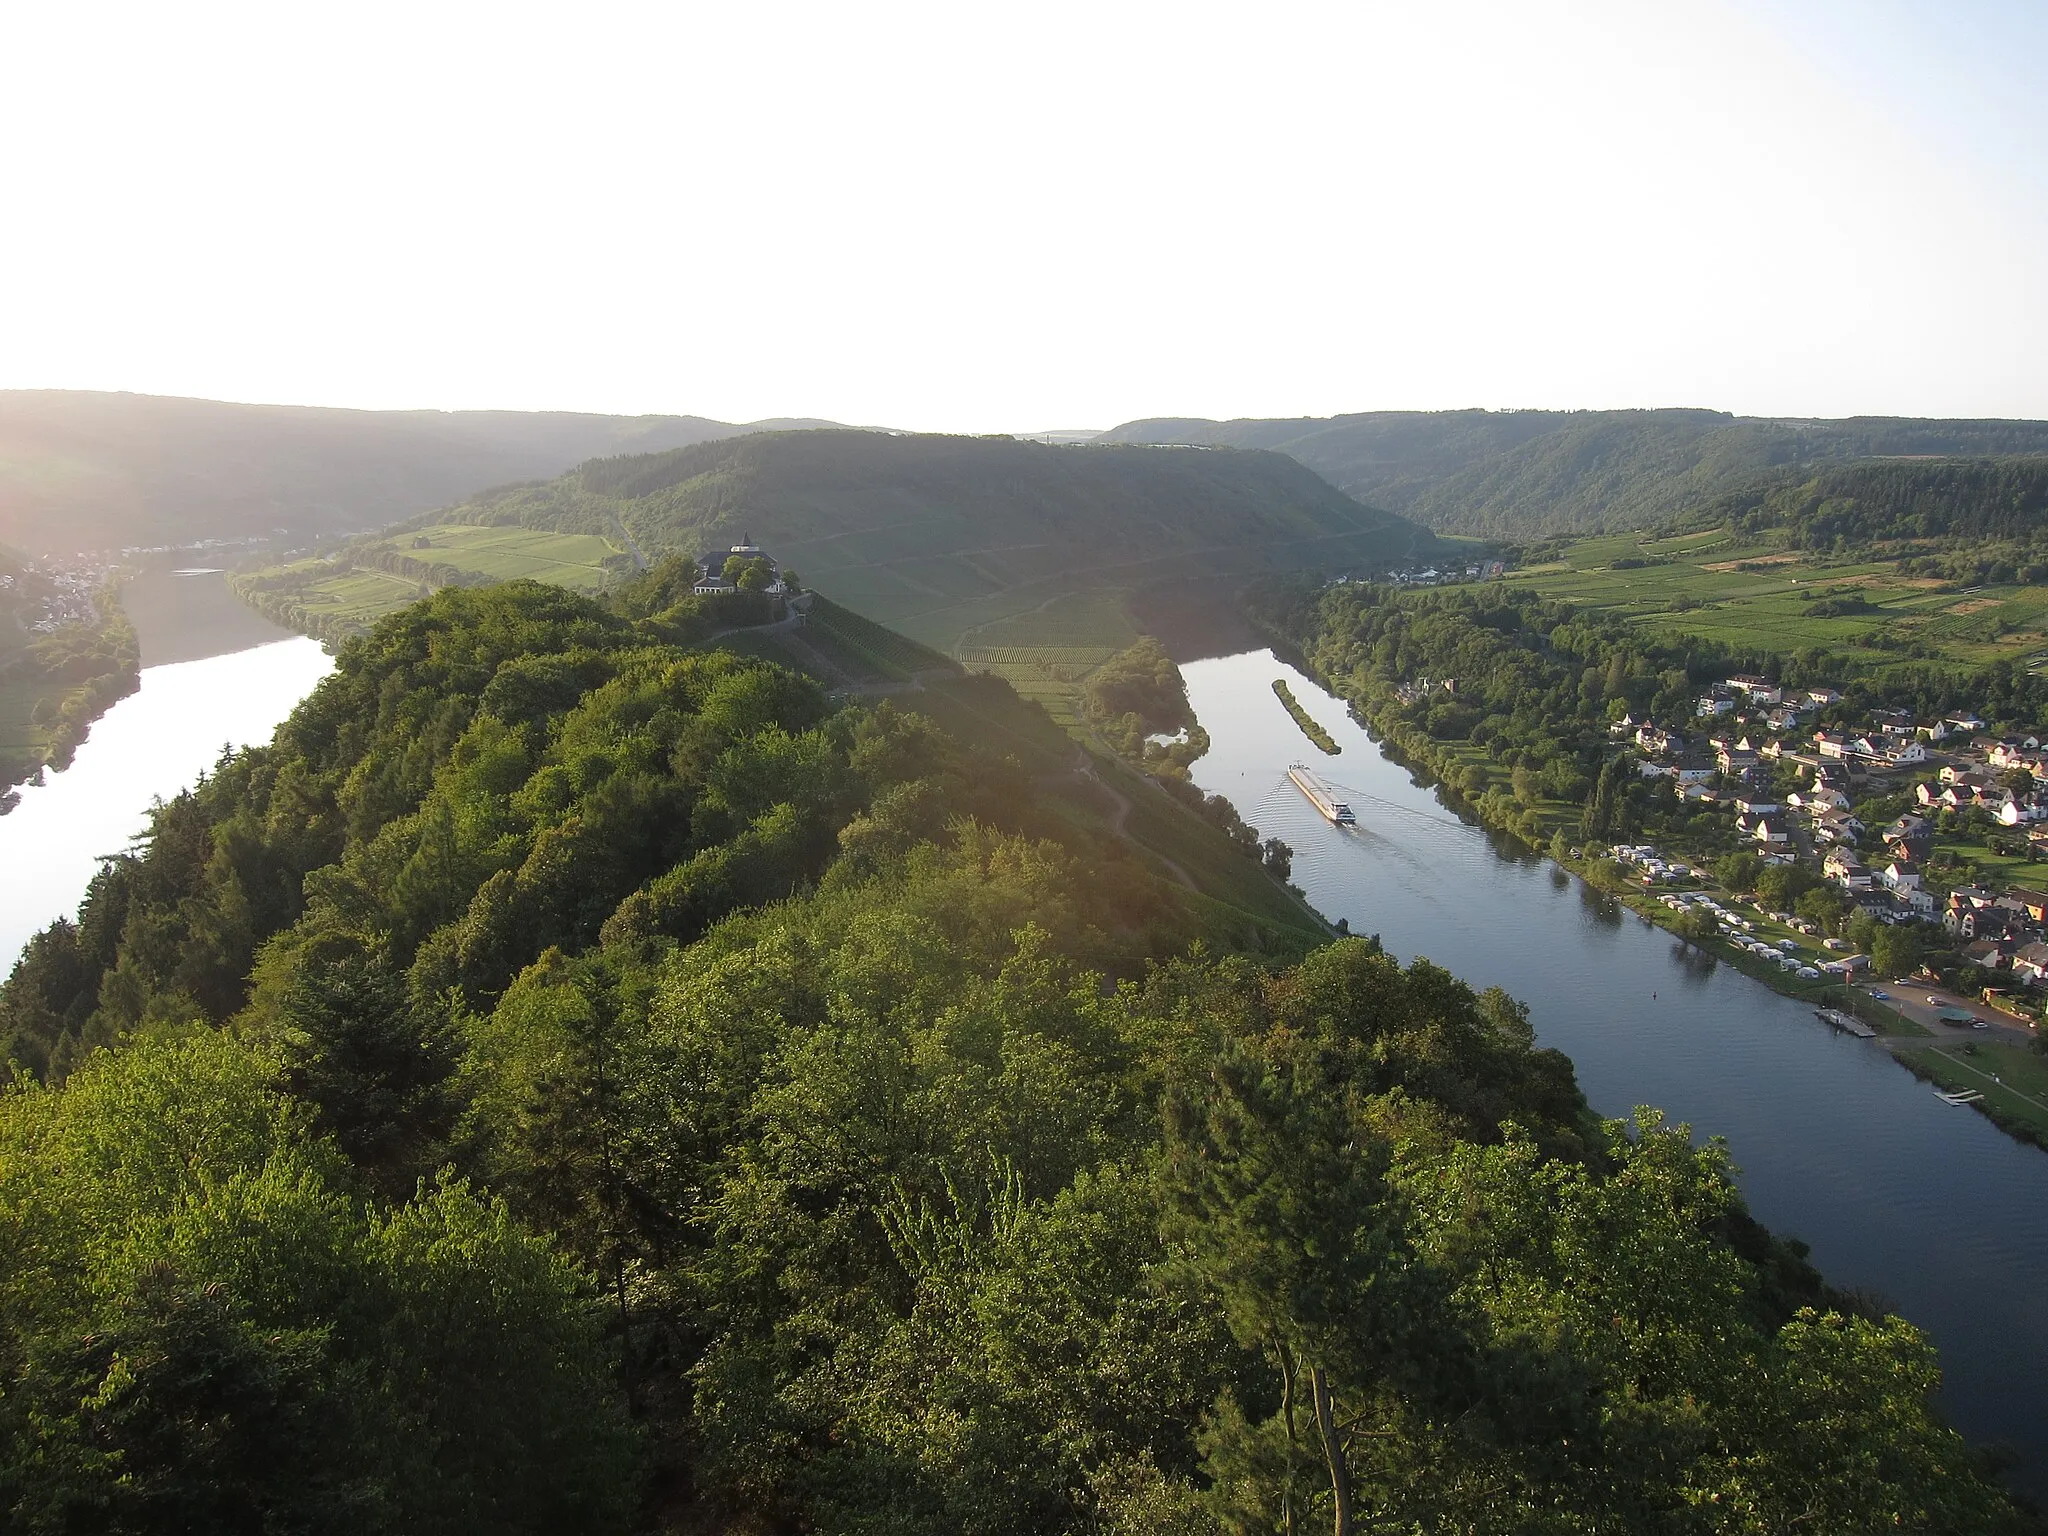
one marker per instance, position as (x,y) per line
(1847,1023)
(1320,795)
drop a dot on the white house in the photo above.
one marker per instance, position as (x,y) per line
(1770,833)
(1761,690)
(1846,870)
(1659,742)
(2031,962)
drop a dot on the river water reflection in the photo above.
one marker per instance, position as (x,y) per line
(149,746)
(1928,1205)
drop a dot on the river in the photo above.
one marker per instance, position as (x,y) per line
(150,745)
(1929,1206)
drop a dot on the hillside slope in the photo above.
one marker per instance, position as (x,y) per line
(1999,500)
(1530,473)
(571,1085)
(936,535)
(85,470)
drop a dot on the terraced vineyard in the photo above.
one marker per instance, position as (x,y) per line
(1049,653)
(861,647)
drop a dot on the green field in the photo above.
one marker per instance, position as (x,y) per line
(503,554)
(2020,1089)
(1753,596)
(346,594)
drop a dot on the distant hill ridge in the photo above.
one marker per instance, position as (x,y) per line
(933,534)
(1532,473)
(83,470)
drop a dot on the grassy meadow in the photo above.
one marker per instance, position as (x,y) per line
(2012,1078)
(1751,595)
(346,594)
(504,554)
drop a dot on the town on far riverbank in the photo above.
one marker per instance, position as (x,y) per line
(1849,841)
(1870,845)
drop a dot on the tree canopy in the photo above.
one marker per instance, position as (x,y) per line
(572,1082)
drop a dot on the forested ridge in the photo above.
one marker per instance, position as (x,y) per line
(1529,474)
(86,469)
(1985,518)
(573,1082)
(932,534)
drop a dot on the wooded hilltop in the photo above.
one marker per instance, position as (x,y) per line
(1527,474)
(571,1081)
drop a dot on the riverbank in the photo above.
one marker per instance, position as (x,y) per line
(2011,1079)
(1901,1196)
(155,742)
(1456,770)
(53,690)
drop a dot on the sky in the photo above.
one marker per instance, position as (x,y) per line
(1006,217)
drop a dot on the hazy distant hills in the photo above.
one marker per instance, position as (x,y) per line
(934,534)
(1523,473)
(81,470)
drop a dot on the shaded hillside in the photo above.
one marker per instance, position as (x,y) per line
(85,470)
(1527,473)
(935,535)
(1848,505)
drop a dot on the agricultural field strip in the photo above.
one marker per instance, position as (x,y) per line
(1755,608)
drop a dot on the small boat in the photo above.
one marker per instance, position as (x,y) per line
(1319,795)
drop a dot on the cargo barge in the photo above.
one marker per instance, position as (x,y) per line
(1334,811)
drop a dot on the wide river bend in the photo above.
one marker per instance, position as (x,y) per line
(1928,1205)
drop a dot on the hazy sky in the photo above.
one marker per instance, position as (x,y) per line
(996,217)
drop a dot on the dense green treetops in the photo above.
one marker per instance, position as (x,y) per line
(568,1082)
(1522,474)
(1980,501)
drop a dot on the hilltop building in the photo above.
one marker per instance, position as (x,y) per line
(723,568)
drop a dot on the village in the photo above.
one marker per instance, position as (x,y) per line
(44,596)
(1922,826)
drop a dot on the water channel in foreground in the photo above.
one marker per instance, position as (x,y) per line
(149,746)
(1927,1205)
